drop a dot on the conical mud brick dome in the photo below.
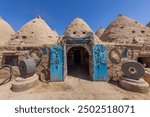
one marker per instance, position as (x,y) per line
(6,32)
(148,25)
(125,30)
(99,32)
(78,28)
(35,33)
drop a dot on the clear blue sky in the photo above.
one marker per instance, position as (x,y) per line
(59,13)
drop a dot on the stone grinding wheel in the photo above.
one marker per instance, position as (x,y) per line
(27,67)
(133,70)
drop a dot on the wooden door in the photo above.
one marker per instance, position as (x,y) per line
(100,71)
(56,63)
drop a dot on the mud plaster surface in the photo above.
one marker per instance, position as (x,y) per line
(72,88)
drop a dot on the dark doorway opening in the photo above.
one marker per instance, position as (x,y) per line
(78,63)
(10,60)
(145,61)
(77,57)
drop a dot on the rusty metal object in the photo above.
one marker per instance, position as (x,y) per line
(133,70)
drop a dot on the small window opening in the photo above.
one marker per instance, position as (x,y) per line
(10,60)
(122,27)
(142,31)
(24,37)
(83,32)
(74,32)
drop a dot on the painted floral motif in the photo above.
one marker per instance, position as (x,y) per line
(99,55)
(55,55)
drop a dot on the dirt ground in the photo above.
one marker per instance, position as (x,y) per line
(73,88)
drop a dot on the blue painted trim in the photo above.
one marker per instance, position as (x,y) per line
(46,50)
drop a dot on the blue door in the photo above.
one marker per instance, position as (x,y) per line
(56,63)
(100,71)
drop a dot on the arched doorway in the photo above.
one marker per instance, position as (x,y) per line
(78,62)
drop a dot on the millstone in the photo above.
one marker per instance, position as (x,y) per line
(27,67)
(133,70)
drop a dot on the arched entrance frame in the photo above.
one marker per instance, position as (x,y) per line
(88,49)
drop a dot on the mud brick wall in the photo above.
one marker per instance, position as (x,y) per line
(0,58)
(114,70)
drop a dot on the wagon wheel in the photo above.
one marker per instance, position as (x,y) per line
(39,55)
(113,58)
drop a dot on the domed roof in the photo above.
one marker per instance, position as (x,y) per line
(126,30)
(99,32)
(78,28)
(6,32)
(35,32)
(148,25)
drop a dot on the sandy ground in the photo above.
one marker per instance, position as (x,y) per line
(78,88)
